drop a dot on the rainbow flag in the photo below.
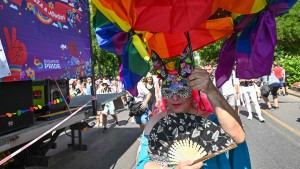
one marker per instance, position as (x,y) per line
(111,38)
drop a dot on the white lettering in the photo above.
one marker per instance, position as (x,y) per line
(52,64)
(57,16)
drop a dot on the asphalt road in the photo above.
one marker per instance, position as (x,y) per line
(274,144)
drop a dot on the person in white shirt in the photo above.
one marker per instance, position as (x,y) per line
(230,91)
(109,107)
(144,96)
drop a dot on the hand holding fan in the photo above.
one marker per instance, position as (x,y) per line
(180,137)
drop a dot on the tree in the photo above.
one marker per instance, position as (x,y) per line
(288,33)
(291,64)
(105,63)
(210,53)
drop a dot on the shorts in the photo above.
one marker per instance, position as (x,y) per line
(109,108)
(274,88)
(142,119)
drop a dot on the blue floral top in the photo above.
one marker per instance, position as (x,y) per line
(237,158)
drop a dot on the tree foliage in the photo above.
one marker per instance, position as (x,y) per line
(210,53)
(291,64)
(105,63)
(288,33)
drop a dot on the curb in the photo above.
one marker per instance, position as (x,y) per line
(291,92)
(295,95)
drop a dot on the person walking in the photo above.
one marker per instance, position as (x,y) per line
(151,87)
(249,92)
(273,82)
(230,91)
(278,72)
(109,107)
(143,96)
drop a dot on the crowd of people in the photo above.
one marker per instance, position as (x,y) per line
(160,99)
(78,87)
(242,92)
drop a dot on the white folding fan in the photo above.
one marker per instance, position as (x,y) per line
(180,137)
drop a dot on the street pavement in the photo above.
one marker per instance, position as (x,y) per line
(274,144)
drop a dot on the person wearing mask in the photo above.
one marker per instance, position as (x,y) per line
(179,96)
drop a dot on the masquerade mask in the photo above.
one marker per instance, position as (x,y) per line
(174,71)
(181,91)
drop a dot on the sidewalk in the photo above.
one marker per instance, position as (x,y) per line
(294,93)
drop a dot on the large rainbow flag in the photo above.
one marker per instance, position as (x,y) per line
(161,26)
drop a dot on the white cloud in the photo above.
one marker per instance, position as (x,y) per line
(13,6)
(55,24)
(62,46)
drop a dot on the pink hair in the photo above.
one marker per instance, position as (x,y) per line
(204,109)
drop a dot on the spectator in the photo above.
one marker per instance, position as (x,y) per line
(278,72)
(151,87)
(114,85)
(109,107)
(78,88)
(89,86)
(285,82)
(83,88)
(143,96)
(119,84)
(230,91)
(208,66)
(273,84)
(249,92)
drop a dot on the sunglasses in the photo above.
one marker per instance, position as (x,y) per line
(182,92)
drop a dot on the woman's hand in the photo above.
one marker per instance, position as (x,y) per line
(200,80)
(189,165)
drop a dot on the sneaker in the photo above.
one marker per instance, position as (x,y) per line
(249,117)
(132,120)
(104,130)
(117,124)
(261,119)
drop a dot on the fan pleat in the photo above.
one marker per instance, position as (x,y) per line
(184,136)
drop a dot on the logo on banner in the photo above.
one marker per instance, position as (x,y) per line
(57,11)
(51,64)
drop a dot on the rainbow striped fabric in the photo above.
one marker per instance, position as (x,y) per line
(145,25)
